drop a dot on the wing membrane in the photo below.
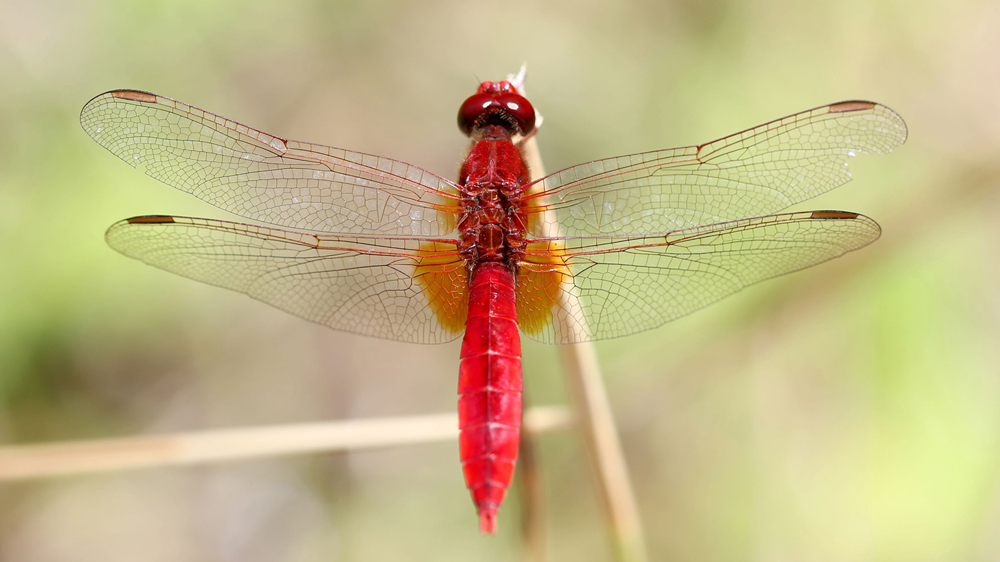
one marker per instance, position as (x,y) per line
(756,172)
(612,286)
(265,178)
(371,286)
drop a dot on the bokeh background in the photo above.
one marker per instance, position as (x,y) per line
(848,412)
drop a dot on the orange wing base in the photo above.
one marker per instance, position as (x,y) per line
(539,285)
(444,280)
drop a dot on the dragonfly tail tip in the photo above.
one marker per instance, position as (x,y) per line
(488,520)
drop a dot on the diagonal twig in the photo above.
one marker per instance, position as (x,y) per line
(595,417)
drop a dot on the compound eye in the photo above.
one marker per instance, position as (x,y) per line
(520,109)
(471,109)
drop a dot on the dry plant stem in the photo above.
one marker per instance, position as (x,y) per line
(529,475)
(598,425)
(605,449)
(60,459)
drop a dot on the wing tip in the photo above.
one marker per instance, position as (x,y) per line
(847,215)
(145,219)
(115,228)
(851,106)
(123,94)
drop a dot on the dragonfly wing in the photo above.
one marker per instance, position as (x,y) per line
(592,288)
(265,178)
(382,287)
(756,172)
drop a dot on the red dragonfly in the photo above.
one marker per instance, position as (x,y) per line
(379,247)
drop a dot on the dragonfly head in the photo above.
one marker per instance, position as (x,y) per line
(496,103)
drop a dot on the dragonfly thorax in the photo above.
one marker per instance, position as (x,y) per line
(493,224)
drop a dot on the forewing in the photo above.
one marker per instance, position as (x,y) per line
(756,172)
(265,178)
(594,288)
(382,287)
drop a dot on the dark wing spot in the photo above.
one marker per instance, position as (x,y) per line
(153,219)
(848,106)
(135,95)
(833,215)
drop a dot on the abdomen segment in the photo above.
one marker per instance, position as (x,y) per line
(489,388)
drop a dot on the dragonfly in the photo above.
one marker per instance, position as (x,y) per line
(379,247)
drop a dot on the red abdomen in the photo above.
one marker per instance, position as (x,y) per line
(489,388)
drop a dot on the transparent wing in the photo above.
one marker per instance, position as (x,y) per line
(756,172)
(379,287)
(265,178)
(593,288)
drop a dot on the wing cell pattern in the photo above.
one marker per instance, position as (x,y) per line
(613,286)
(357,284)
(264,178)
(756,172)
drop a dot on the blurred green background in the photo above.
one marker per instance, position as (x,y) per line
(848,412)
